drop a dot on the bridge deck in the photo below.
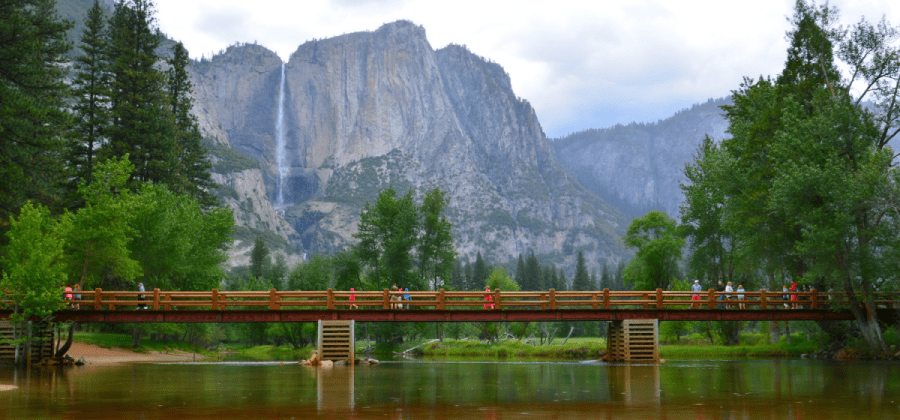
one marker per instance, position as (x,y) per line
(434,315)
(450,306)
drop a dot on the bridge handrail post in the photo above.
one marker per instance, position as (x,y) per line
(815,299)
(112,302)
(155,298)
(659,299)
(329,301)
(168,305)
(593,301)
(552,299)
(762,299)
(605,298)
(97,299)
(440,300)
(543,299)
(645,297)
(386,298)
(712,299)
(496,298)
(215,299)
(273,300)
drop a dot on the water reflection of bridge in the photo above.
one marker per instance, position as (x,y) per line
(451,306)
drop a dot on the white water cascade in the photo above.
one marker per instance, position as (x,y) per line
(279,142)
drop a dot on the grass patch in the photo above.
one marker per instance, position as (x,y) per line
(587,348)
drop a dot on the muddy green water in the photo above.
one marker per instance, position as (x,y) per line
(743,389)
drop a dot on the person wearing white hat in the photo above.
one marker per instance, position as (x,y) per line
(696,288)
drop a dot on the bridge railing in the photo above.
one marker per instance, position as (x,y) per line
(215,299)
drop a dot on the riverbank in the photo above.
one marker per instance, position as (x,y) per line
(94,354)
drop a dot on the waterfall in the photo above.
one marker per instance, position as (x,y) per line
(279,141)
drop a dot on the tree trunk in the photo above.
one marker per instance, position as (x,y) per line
(567,337)
(787,332)
(65,348)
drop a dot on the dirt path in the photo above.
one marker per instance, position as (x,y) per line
(98,355)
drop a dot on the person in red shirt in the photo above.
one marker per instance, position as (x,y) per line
(793,296)
(353,299)
(488,298)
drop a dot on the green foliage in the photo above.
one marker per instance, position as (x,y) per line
(177,244)
(191,165)
(33,269)
(396,236)
(806,187)
(658,250)
(229,160)
(499,280)
(91,90)
(259,258)
(435,250)
(142,124)
(97,245)
(582,281)
(315,274)
(34,102)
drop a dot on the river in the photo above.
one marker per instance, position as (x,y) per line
(401,389)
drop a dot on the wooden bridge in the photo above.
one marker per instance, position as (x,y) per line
(452,306)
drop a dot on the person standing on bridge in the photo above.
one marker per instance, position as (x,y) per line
(793,296)
(353,299)
(720,288)
(728,289)
(785,296)
(141,296)
(68,295)
(488,298)
(696,288)
(740,296)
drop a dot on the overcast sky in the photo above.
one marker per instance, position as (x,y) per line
(581,64)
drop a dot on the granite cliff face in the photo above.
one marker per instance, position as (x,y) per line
(638,167)
(372,109)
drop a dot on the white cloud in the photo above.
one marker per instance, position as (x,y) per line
(581,64)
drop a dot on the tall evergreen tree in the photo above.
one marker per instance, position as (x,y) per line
(531,281)
(191,164)
(605,278)
(91,89)
(520,270)
(259,259)
(141,123)
(562,283)
(33,104)
(480,272)
(582,280)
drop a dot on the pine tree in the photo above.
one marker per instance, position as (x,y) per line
(562,283)
(141,123)
(520,270)
(605,278)
(191,164)
(480,272)
(33,104)
(91,89)
(531,281)
(582,280)
(259,259)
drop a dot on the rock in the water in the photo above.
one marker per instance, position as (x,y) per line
(326,363)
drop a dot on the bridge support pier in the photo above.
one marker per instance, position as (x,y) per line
(336,340)
(633,340)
